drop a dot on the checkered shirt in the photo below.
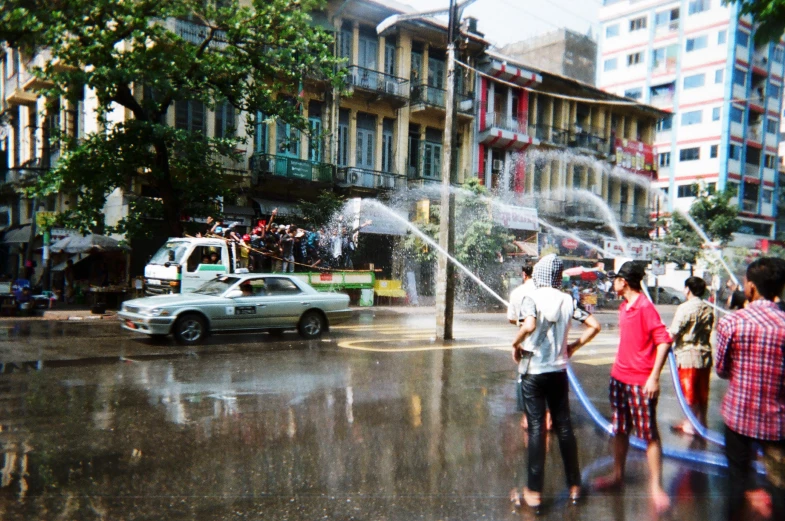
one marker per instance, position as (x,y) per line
(547,273)
(751,353)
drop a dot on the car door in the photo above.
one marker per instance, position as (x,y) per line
(288,302)
(198,267)
(252,309)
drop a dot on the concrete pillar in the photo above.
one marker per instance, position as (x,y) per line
(508,110)
(380,54)
(424,72)
(355,43)
(488,167)
(422,152)
(352,137)
(491,97)
(377,157)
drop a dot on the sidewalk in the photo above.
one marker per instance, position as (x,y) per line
(64,312)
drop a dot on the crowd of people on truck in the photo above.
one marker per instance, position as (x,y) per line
(750,354)
(267,246)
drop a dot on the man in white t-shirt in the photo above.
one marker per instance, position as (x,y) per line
(516,297)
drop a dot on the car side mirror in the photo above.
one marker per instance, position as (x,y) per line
(234,293)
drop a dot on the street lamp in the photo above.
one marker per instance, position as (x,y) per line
(445,277)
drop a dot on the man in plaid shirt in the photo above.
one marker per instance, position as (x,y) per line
(751,354)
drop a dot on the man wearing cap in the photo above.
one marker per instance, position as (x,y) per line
(541,351)
(644,342)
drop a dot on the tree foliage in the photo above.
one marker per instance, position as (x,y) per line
(713,213)
(142,57)
(318,214)
(768,14)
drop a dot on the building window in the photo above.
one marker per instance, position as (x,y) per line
(770,161)
(686,191)
(610,64)
(771,126)
(612,30)
(768,196)
(778,54)
(665,124)
(694,81)
(739,77)
(713,151)
(742,38)
(666,17)
(225,124)
(692,117)
(734,152)
(718,75)
(664,159)
(634,58)
(690,154)
(189,115)
(722,37)
(698,43)
(343,138)
(698,6)
(637,24)
(773,91)
(736,114)
(633,93)
(715,114)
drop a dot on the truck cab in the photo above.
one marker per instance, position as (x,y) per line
(183,264)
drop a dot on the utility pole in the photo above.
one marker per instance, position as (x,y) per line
(445,275)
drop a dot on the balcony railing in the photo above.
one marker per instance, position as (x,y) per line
(749,206)
(496,120)
(583,139)
(436,97)
(364,178)
(581,211)
(291,168)
(750,169)
(630,214)
(378,82)
(196,33)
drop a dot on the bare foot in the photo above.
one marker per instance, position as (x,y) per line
(611,482)
(548,421)
(575,494)
(661,500)
(515,498)
(760,502)
(533,499)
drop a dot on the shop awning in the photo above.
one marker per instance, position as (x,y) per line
(76,258)
(266,207)
(18,236)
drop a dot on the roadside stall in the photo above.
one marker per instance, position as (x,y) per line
(98,271)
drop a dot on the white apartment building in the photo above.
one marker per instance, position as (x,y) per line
(698,60)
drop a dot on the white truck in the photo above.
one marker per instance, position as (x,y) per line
(183,264)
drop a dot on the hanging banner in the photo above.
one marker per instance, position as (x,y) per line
(636,250)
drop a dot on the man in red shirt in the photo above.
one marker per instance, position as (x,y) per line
(751,354)
(644,342)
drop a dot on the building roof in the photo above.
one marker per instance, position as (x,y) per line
(580,87)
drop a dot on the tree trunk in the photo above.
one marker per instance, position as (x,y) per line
(172,206)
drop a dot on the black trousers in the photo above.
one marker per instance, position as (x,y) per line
(741,452)
(551,389)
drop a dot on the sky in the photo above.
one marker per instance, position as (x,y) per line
(508,21)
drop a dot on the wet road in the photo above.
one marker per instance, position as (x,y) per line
(374,422)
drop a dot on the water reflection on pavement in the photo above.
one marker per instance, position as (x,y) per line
(256,428)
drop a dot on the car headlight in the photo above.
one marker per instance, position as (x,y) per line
(157,312)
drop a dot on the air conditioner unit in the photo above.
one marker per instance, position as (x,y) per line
(390,87)
(498,164)
(354,177)
(387,181)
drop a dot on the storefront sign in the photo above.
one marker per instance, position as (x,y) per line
(516,218)
(636,250)
(569,246)
(569,243)
(634,155)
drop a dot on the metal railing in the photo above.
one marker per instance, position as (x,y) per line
(631,214)
(196,33)
(437,97)
(751,169)
(291,168)
(375,81)
(582,139)
(496,120)
(749,206)
(364,178)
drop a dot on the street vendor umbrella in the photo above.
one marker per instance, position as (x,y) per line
(91,243)
(589,275)
(577,271)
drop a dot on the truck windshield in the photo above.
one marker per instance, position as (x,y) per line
(170,252)
(216,286)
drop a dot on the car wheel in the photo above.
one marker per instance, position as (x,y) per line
(190,329)
(675,301)
(311,324)
(276,332)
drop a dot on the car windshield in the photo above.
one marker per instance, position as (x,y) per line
(170,252)
(216,286)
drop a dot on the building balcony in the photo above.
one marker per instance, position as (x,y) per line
(377,85)
(196,33)
(548,207)
(15,93)
(755,133)
(589,139)
(633,215)
(290,168)
(21,176)
(580,211)
(749,206)
(760,61)
(751,169)
(506,132)
(351,177)
(425,98)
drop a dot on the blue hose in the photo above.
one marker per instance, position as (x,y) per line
(701,457)
(702,430)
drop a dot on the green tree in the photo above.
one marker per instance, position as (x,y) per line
(768,14)
(318,214)
(144,57)
(713,213)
